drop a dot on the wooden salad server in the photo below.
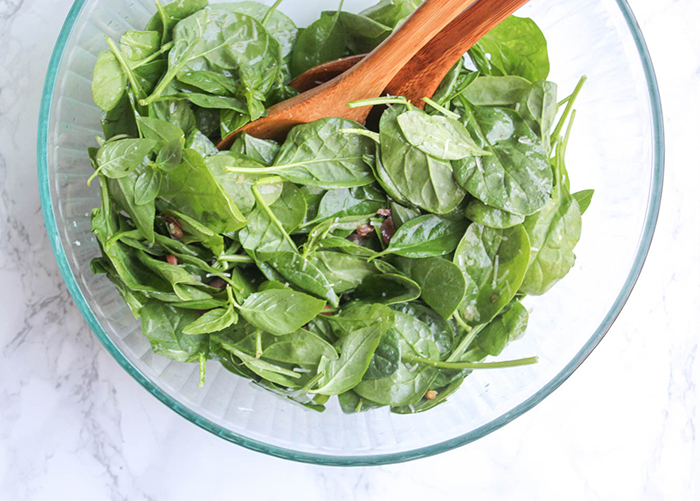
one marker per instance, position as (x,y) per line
(366,79)
(423,73)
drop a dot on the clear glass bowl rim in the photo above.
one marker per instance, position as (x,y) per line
(327,459)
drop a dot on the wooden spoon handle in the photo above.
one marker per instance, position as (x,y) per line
(376,71)
(421,76)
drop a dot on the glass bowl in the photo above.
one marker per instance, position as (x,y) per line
(616,148)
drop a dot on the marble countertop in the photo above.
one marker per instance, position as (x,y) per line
(74,425)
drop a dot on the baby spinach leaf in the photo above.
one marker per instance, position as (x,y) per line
(362,329)
(422,331)
(350,202)
(347,246)
(146,186)
(426,236)
(494,263)
(280,311)
(516,46)
(177,113)
(290,207)
(302,273)
(194,231)
(163,325)
(503,329)
(391,12)
(138,45)
(422,179)
(497,91)
(386,358)
(124,191)
(212,321)
(404,387)
(207,101)
(208,81)
(427,404)
(119,158)
(538,107)
(323,40)
(222,41)
(441,282)
(201,144)
(583,198)
(517,177)
(401,214)
(387,289)
(120,120)
(170,14)
(277,24)
(363,34)
(260,150)
(441,137)
(108,81)
(492,217)
(351,403)
(265,236)
(194,191)
(343,271)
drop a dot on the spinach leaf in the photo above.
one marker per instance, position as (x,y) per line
(494,263)
(492,217)
(194,191)
(539,108)
(386,358)
(391,12)
(427,404)
(350,403)
(422,331)
(212,321)
(441,282)
(265,236)
(497,91)
(323,40)
(280,311)
(516,46)
(426,236)
(300,348)
(349,202)
(517,177)
(343,271)
(277,24)
(362,329)
(201,144)
(208,81)
(320,154)
(263,151)
(177,113)
(401,214)
(160,131)
(108,81)
(387,289)
(119,158)
(138,45)
(119,120)
(125,191)
(506,327)
(438,136)
(422,179)
(170,14)
(163,325)
(404,387)
(194,231)
(302,273)
(583,198)
(363,34)
(290,207)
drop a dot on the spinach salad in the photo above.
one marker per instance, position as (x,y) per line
(382,264)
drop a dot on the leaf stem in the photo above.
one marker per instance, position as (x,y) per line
(236,259)
(374,101)
(125,67)
(465,342)
(270,11)
(569,106)
(259,199)
(154,56)
(441,109)
(362,132)
(469,365)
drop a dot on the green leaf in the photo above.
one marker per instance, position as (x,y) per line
(503,329)
(516,46)
(146,186)
(539,108)
(422,331)
(201,144)
(343,271)
(119,158)
(362,328)
(280,311)
(138,45)
(517,177)
(108,81)
(124,192)
(196,231)
(494,263)
(120,120)
(441,282)
(427,236)
(583,198)
(350,202)
(404,387)
(192,190)
(448,139)
(363,34)
(210,82)
(420,178)
(391,12)
(323,40)
(492,217)
(290,207)
(160,131)
(212,321)
(163,325)
(387,289)
(304,274)
(265,236)
(386,358)
(497,91)
(263,151)
(173,13)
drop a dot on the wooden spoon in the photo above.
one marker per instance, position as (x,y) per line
(367,79)
(423,73)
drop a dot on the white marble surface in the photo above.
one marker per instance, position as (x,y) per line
(75,426)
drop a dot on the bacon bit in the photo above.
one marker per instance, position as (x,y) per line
(218,283)
(365,229)
(171,259)
(431,394)
(388,230)
(384,212)
(173,227)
